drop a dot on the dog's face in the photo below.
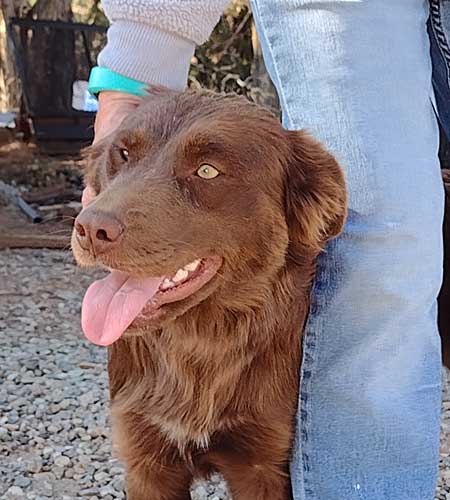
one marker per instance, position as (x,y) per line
(200,198)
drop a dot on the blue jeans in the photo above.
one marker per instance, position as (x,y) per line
(358,74)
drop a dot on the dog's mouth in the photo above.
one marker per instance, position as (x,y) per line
(120,301)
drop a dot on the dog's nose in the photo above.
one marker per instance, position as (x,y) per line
(98,231)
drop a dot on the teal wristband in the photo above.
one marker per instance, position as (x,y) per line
(102,78)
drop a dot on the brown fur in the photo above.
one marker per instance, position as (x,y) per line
(213,384)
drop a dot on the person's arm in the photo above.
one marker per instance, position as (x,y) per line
(151,41)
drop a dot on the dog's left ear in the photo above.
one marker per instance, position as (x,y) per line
(315,193)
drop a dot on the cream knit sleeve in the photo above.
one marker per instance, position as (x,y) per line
(154,40)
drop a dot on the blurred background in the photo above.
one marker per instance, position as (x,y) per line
(47,49)
(54,430)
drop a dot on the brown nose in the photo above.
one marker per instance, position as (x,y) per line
(98,231)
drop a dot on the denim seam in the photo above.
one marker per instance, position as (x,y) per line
(263,33)
(441,38)
(311,335)
(309,358)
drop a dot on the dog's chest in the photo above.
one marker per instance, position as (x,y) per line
(179,398)
(183,434)
(183,388)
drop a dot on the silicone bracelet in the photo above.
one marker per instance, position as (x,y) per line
(102,78)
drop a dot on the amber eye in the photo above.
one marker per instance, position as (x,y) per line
(124,154)
(207,171)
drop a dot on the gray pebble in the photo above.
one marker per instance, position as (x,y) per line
(33,462)
(4,434)
(43,483)
(88,492)
(22,481)
(14,493)
(62,461)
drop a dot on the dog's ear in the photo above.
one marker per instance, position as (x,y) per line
(315,193)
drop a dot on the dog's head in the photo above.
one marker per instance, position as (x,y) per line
(199,197)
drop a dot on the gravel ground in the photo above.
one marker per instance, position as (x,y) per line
(54,432)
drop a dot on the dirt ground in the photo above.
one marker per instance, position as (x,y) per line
(35,175)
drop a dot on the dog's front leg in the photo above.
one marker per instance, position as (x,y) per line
(155,469)
(256,481)
(254,461)
(146,482)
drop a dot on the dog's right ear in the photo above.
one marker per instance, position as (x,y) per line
(315,193)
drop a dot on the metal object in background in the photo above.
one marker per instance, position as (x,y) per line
(51,56)
(9,194)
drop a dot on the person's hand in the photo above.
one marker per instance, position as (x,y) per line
(87,196)
(113,107)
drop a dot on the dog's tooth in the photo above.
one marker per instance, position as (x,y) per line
(166,284)
(180,275)
(192,266)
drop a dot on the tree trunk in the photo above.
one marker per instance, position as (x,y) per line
(9,83)
(40,52)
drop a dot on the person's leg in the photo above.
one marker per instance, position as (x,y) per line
(439,31)
(357,74)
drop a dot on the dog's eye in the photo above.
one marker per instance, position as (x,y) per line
(124,154)
(207,171)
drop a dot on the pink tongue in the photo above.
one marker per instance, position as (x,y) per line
(111,304)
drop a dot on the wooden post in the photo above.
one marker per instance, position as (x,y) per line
(9,83)
(61,10)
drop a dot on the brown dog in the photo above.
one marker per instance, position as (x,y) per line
(210,216)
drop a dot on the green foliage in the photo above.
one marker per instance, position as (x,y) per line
(224,62)
(88,11)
